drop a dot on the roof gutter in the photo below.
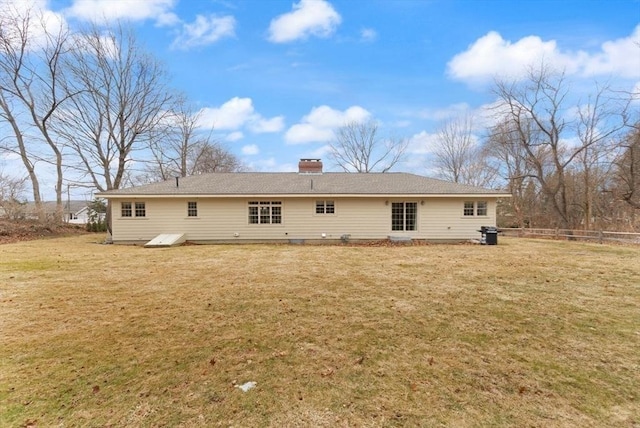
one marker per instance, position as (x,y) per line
(302,195)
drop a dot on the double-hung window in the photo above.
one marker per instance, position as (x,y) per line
(481,208)
(265,212)
(125,209)
(141,209)
(404,216)
(192,209)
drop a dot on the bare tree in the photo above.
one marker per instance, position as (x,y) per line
(459,156)
(503,145)
(600,122)
(185,150)
(536,109)
(31,69)
(12,196)
(357,147)
(565,148)
(627,170)
(207,156)
(122,101)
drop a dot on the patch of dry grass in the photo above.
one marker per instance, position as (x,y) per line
(526,333)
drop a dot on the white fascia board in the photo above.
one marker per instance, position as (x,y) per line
(308,195)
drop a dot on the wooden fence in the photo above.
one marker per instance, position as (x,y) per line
(600,236)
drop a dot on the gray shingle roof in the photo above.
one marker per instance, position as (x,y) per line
(292,183)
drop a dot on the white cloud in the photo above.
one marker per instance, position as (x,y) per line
(318,153)
(636,91)
(229,116)
(422,143)
(491,56)
(308,18)
(42,20)
(319,124)
(368,35)
(235,136)
(236,114)
(250,150)
(135,10)
(621,56)
(204,31)
(261,126)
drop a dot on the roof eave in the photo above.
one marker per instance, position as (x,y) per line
(299,195)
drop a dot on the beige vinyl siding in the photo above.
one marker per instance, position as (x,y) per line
(220,219)
(443,218)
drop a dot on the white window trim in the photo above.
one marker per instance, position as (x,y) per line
(324,214)
(278,203)
(475,209)
(404,219)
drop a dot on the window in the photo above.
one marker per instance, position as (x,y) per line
(125,209)
(404,215)
(468,208)
(265,212)
(129,209)
(478,208)
(192,209)
(140,209)
(481,208)
(325,207)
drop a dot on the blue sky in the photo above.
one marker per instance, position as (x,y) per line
(275,77)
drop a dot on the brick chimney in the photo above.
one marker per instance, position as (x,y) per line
(310,166)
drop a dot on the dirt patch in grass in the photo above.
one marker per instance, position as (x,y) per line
(526,333)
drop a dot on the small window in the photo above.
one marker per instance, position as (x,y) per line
(481,208)
(192,209)
(468,208)
(141,210)
(325,207)
(125,209)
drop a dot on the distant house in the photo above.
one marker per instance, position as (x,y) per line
(309,205)
(73,212)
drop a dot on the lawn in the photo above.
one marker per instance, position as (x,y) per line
(526,333)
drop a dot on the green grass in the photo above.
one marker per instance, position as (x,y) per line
(526,333)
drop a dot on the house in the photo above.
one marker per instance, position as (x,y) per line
(310,205)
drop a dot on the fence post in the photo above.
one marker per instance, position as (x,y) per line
(600,236)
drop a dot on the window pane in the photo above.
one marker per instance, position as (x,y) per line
(276,215)
(265,213)
(482,208)
(330,207)
(397,216)
(125,209)
(253,215)
(319,207)
(411,208)
(140,209)
(468,208)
